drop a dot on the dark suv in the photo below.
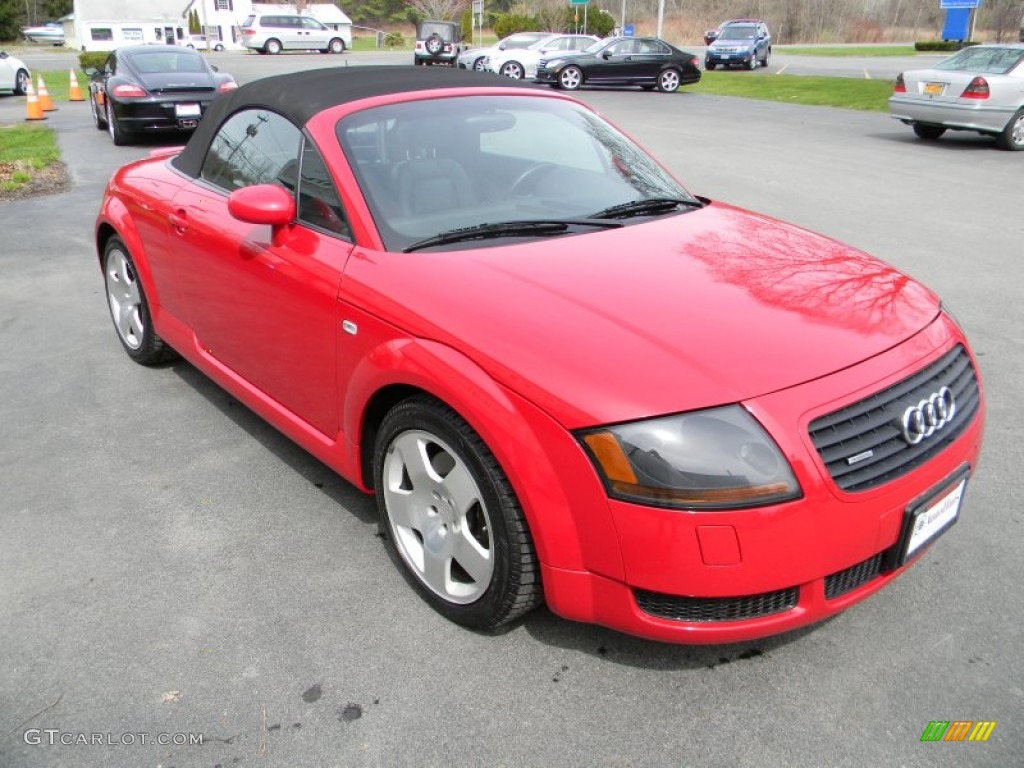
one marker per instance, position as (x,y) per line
(745,43)
(438,42)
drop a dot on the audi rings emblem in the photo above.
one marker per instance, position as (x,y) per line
(928,416)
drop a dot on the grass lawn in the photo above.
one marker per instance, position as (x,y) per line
(24,151)
(849,93)
(851,50)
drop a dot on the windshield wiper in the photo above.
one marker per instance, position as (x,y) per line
(521,228)
(647,206)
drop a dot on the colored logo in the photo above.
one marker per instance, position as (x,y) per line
(958,730)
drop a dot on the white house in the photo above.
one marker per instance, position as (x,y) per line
(102,25)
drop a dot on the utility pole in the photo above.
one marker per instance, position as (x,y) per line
(661,17)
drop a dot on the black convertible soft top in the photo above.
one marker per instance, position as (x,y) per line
(300,95)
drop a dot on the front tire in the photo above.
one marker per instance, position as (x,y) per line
(570,78)
(98,115)
(450,517)
(928,132)
(21,82)
(1012,137)
(129,309)
(478,64)
(336,46)
(512,69)
(709,65)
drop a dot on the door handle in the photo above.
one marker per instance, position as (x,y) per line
(178,221)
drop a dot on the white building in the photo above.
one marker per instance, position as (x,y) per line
(102,25)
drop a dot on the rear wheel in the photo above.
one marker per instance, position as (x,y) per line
(570,78)
(272,46)
(928,132)
(129,309)
(668,81)
(1012,137)
(434,44)
(118,135)
(452,521)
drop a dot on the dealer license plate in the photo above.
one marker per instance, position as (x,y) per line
(927,521)
(187,110)
(934,89)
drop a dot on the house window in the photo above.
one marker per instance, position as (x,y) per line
(133,34)
(224,5)
(101,33)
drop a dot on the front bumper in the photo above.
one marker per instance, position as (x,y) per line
(729,576)
(727,59)
(965,115)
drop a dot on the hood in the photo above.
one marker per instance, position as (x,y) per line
(745,43)
(703,308)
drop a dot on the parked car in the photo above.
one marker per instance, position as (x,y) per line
(739,43)
(51,33)
(521,63)
(438,42)
(14,74)
(275,32)
(564,376)
(200,41)
(153,88)
(644,61)
(980,88)
(712,35)
(474,58)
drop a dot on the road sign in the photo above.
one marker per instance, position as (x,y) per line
(578,2)
(959,4)
(629,30)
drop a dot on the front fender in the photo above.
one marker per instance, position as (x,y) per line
(562,498)
(114,218)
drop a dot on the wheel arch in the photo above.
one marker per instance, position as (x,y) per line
(521,437)
(114,220)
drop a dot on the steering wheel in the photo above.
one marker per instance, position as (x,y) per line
(528,179)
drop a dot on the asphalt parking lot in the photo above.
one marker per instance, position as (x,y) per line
(171,565)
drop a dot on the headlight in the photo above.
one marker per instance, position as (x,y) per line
(553,64)
(720,458)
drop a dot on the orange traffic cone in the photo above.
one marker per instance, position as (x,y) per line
(45,102)
(75,92)
(32,109)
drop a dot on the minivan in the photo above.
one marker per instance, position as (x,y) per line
(276,32)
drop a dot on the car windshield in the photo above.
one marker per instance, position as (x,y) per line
(737,32)
(595,46)
(428,167)
(989,61)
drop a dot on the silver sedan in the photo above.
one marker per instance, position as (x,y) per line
(980,88)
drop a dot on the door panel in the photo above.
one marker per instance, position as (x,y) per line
(266,312)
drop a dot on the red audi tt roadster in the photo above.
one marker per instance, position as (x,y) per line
(565,378)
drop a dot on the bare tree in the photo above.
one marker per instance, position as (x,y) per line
(438,9)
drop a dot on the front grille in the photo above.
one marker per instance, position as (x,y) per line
(869,431)
(706,609)
(848,580)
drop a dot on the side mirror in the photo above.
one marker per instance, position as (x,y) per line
(4,54)
(606,55)
(91,71)
(501,47)
(264,204)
